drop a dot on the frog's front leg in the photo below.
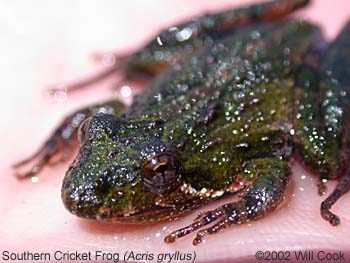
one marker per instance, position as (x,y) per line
(268,179)
(62,142)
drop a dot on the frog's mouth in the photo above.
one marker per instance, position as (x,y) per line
(149,214)
(136,206)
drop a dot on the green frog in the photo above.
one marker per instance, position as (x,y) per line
(233,96)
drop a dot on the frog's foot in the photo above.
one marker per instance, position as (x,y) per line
(93,78)
(63,141)
(269,177)
(227,214)
(342,188)
(58,148)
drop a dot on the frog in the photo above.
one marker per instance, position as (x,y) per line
(234,96)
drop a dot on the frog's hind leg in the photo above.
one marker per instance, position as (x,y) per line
(342,188)
(269,11)
(269,179)
(323,120)
(143,64)
(62,143)
(336,112)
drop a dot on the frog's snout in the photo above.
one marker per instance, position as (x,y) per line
(79,197)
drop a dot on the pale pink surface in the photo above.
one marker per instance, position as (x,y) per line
(53,42)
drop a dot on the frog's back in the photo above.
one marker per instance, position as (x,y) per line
(239,63)
(231,102)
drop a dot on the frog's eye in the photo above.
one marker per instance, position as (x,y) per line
(160,174)
(82,131)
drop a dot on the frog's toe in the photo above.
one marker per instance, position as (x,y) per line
(51,153)
(228,214)
(211,230)
(58,148)
(34,169)
(202,220)
(234,213)
(342,188)
(327,215)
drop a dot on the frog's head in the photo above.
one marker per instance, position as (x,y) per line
(124,172)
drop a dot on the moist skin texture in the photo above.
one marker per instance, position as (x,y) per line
(295,225)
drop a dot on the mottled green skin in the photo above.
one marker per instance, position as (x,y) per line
(322,105)
(181,40)
(226,113)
